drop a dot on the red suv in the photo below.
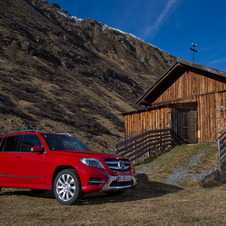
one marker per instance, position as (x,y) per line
(59,162)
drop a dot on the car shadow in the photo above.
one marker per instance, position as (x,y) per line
(144,189)
(26,192)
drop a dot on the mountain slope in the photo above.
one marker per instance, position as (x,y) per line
(61,74)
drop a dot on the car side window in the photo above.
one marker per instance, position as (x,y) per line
(1,143)
(11,143)
(28,141)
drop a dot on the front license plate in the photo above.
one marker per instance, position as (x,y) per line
(124,178)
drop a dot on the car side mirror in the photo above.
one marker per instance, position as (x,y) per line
(37,149)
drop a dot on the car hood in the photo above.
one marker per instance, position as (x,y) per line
(87,154)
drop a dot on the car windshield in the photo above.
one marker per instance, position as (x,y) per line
(63,142)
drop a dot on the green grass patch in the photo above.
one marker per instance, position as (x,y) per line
(190,160)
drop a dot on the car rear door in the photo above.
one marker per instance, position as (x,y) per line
(8,150)
(29,166)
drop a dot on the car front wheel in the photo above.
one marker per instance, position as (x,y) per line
(67,187)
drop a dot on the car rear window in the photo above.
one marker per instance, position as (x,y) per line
(11,143)
(63,142)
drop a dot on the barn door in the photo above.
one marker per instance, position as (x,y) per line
(184,124)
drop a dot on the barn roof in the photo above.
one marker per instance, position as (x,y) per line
(178,67)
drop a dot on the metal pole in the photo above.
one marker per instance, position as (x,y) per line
(194,50)
(219,153)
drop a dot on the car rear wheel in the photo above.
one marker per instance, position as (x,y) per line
(67,187)
(0,188)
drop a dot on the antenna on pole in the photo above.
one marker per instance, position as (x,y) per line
(194,50)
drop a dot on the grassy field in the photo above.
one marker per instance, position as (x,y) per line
(152,202)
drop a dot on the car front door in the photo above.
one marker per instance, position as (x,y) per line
(29,167)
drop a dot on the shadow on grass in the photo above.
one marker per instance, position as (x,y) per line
(26,192)
(144,189)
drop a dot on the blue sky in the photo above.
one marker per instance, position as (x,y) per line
(171,25)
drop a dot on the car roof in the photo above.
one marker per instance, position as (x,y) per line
(31,130)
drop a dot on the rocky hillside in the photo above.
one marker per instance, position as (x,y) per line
(59,73)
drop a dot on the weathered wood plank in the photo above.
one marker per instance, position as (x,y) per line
(187,88)
(149,139)
(149,150)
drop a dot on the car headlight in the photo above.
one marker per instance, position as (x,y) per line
(92,162)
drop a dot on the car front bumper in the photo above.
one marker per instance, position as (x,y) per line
(113,184)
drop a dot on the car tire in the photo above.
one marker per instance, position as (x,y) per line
(0,188)
(67,187)
(114,193)
(38,191)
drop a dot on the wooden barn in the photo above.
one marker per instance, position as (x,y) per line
(189,98)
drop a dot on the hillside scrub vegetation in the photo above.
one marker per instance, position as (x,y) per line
(61,74)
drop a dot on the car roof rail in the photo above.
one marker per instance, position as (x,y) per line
(66,134)
(21,131)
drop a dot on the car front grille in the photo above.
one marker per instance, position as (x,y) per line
(118,164)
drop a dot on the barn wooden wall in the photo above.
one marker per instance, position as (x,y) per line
(208,90)
(190,85)
(211,116)
(138,123)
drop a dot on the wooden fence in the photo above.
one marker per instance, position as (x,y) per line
(221,149)
(145,144)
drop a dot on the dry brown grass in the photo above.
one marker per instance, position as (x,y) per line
(151,202)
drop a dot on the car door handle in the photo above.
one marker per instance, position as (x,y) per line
(19,156)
